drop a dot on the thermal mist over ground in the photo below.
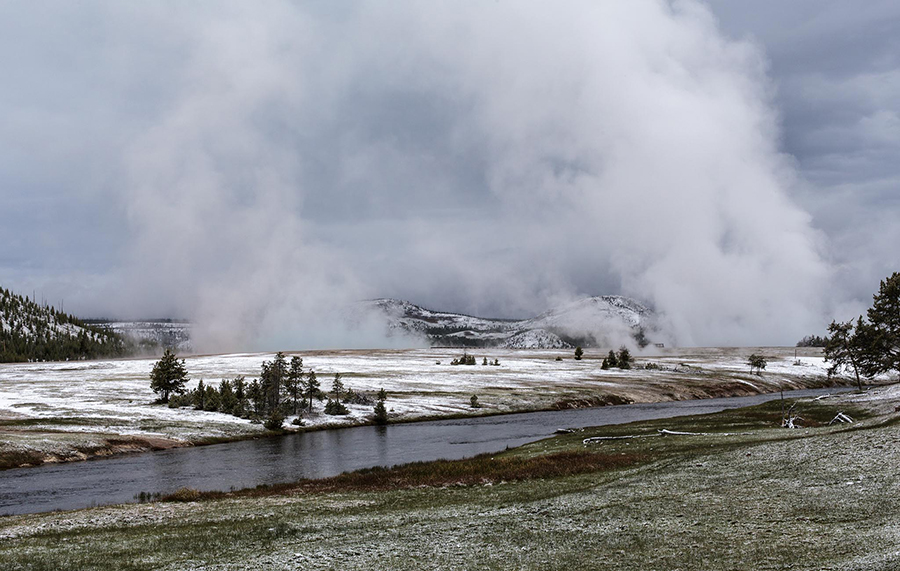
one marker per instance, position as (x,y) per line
(495,158)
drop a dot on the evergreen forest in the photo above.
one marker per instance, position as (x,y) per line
(34,332)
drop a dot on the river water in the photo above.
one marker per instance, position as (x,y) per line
(314,454)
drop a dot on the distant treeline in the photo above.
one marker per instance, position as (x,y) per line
(813,341)
(34,332)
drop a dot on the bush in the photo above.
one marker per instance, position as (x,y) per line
(353,397)
(466,359)
(178,401)
(274,422)
(336,408)
(183,495)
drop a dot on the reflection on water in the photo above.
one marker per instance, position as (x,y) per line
(312,455)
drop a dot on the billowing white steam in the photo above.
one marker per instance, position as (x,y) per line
(485,157)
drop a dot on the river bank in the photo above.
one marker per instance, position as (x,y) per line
(59,412)
(734,492)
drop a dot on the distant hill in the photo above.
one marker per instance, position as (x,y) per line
(33,332)
(603,321)
(152,335)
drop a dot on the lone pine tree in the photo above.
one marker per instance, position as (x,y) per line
(381,415)
(168,376)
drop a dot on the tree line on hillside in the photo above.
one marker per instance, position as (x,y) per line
(282,389)
(869,346)
(34,332)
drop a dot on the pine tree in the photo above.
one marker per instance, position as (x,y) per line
(381,415)
(294,382)
(168,376)
(337,387)
(227,399)
(884,317)
(211,400)
(200,396)
(311,389)
(335,406)
(578,353)
(846,348)
(256,397)
(271,380)
(624,359)
(240,396)
(611,359)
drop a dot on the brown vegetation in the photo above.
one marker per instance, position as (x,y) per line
(587,402)
(480,470)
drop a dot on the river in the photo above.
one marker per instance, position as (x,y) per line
(320,454)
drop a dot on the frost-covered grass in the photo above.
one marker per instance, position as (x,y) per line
(60,411)
(746,495)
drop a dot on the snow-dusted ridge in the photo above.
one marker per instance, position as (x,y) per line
(39,332)
(601,321)
(154,334)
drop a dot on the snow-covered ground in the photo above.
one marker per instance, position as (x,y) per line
(50,407)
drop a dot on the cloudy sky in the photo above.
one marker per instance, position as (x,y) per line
(251,165)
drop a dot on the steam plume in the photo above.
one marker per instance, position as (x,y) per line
(493,158)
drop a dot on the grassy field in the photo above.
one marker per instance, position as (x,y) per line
(737,493)
(71,411)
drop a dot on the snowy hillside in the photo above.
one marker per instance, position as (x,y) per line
(604,321)
(35,332)
(536,339)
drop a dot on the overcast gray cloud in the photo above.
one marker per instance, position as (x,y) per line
(253,167)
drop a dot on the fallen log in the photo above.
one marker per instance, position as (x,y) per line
(841,417)
(666,432)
